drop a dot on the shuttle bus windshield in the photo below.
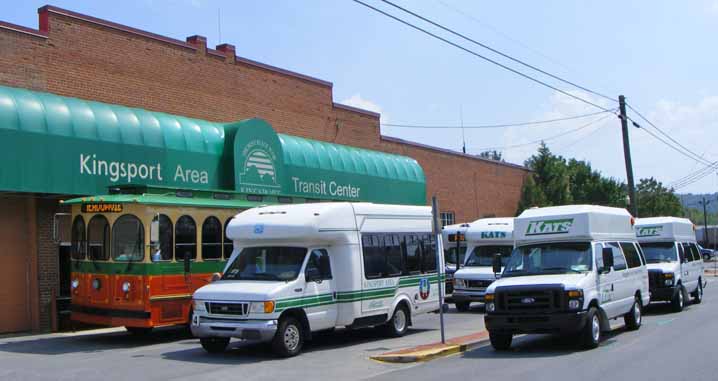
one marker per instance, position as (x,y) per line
(266,263)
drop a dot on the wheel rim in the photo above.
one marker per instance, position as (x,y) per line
(291,337)
(700,291)
(637,313)
(399,320)
(595,329)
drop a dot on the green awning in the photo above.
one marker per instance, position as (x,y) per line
(55,144)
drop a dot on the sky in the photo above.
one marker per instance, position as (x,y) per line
(660,54)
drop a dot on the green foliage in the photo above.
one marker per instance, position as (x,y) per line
(557,181)
(656,200)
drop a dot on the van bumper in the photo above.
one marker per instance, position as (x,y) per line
(251,330)
(460,296)
(567,322)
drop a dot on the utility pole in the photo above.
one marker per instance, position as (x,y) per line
(627,156)
(705,221)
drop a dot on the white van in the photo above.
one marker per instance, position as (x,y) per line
(299,269)
(485,239)
(454,237)
(675,265)
(574,268)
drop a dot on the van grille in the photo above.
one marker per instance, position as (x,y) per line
(531,299)
(238,309)
(654,278)
(478,283)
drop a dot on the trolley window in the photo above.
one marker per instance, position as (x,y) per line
(128,239)
(161,239)
(78,238)
(185,238)
(228,244)
(211,238)
(98,232)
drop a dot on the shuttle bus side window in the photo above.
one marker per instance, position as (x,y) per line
(681,253)
(374,258)
(212,239)
(428,249)
(412,254)
(318,263)
(78,239)
(98,232)
(632,257)
(619,261)
(185,238)
(394,260)
(228,244)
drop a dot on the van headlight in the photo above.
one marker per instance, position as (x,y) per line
(459,283)
(199,305)
(575,299)
(490,307)
(668,279)
(266,307)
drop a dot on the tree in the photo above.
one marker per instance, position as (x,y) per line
(656,200)
(492,155)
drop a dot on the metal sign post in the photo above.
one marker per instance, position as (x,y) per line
(436,229)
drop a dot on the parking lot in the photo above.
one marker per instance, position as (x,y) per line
(113,354)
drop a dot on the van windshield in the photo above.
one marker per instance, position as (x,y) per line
(659,252)
(266,263)
(550,258)
(483,255)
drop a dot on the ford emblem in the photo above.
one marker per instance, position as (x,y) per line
(528,300)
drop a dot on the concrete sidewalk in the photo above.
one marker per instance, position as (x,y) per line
(430,351)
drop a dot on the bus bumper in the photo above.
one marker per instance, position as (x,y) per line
(252,330)
(461,295)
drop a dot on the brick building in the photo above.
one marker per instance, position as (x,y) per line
(81,56)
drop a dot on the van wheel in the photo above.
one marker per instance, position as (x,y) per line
(698,295)
(591,332)
(214,344)
(289,338)
(678,300)
(139,331)
(399,322)
(500,341)
(463,306)
(634,318)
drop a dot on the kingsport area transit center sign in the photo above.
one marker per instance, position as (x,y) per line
(55,144)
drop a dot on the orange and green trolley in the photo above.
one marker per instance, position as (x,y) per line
(140,252)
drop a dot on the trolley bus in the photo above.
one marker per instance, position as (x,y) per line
(140,252)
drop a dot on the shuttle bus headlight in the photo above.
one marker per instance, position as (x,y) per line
(199,305)
(126,287)
(459,283)
(489,300)
(261,307)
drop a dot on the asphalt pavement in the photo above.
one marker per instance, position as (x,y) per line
(669,346)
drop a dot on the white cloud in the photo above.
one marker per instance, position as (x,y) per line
(695,125)
(357,101)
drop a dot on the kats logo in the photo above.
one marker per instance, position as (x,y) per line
(649,231)
(561,226)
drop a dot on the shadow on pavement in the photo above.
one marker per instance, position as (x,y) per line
(91,343)
(239,352)
(661,308)
(538,346)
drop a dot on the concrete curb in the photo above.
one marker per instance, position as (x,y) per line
(432,351)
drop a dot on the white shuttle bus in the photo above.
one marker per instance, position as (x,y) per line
(675,265)
(299,269)
(574,268)
(454,237)
(485,239)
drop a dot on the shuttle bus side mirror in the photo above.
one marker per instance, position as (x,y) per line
(496,263)
(607,254)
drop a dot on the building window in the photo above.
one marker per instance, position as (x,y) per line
(77,239)
(447,218)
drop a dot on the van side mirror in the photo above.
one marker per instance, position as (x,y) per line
(496,263)
(607,254)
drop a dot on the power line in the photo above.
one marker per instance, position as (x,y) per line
(498,52)
(695,176)
(480,56)
(538,122)
(544,139)
(693,155)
